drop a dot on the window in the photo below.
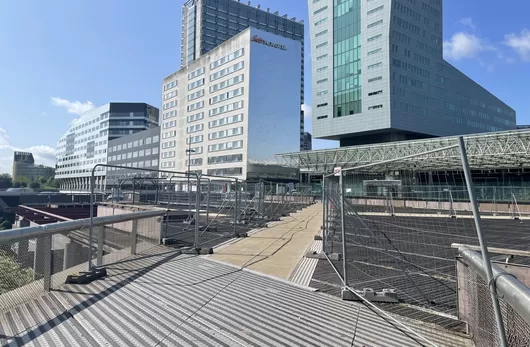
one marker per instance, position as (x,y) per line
(225,146)
(225,96)
(322,68)
(155,138)
(324,92)
(196,95)
(195,106)
(323,44)
(226,108)
(377,9)
(322,105)
(169,134)
(170,124)
(225,133)
(323,32)
(170,104)
(195,117)
(374,24)
(320,57)
(231,158)
(170,85)
(373,66)
(322,9)
(169,114)
(374,51)
(225,121)
(227,83)
(195,128)
(375,107)
(233,171)
(194,162)
(196,84)
(226,59)
(226,71)
(165,145)
(373,38)
(322,80)
(194,139)
(170,95)
(322,117)
(375,79)
(196,73)
(323,20)
(375,93)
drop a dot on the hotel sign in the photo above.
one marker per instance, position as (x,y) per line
(260,40)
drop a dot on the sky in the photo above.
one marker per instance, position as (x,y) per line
(59,58)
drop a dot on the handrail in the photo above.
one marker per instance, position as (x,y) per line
(31,232)
(515,293)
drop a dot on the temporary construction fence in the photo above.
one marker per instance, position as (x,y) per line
(393,224)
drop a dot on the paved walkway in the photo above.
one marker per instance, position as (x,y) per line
(275,250)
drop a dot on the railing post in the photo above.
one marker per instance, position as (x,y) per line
(482,241)
(101,239)
(343,231)
(134,236)
(197,213)
(324,215)
(208,202)
(236,208)
(47,266)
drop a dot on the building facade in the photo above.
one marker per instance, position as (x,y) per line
(86,143)
(137,151)
(379,75)
(24,168)
(208,23)
(234,108)
(306,142)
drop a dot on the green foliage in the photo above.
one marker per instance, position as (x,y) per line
(5,224)
(34,185)
(12,275)
(5,181)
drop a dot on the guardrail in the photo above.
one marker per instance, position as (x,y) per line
(38,258)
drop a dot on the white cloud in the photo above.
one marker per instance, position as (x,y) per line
(465,46)
(519,43)
(468,22)
(75,107)
(43,154)
(308,111)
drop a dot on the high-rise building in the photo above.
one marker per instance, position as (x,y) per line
(232,109)
(24,168)
(379,75)
(306,142)
(85,143)
(208,23)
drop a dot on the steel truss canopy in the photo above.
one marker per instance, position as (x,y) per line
(487,151)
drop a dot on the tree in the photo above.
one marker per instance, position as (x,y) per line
(34,185)
(5,181)
(52,183)
(13,275)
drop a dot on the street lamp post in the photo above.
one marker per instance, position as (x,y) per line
(189,151)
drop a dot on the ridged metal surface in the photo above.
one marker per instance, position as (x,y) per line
(166,299)
(303,272)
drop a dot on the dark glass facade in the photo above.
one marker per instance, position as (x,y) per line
(347,57)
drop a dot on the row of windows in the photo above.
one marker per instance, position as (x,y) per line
(322,80)
(400,37)
(194,162)
(374,24)
(230,158)
(426,48)
(377,9)
(227,71)
(196,73)
(169,154)
(322,9)
(232,171)
(407,11)
(170,85)
(225,146)
(196,95)
(378,78)
(323,20)
(195,128)
(225,133)
(374,107)
(169,134)
(407,25)
(170,124)
(431,10)
(194,139)
(324,92)
(413,109)
(226,108)
(169,114)
(323,44)
(138,164)
(170,104)
(422,59)
(169,144)
(411,81)
(323,32)
(226,120)
(195,106)
(196,84)
(373,38)
(167,165)
(228,95)
(323,68)
(170,95)
(145,141)
(135,154)
(226,59)
(375,51)
(373,66)
(195,117)
(320,57)
(412,68)
(227,83)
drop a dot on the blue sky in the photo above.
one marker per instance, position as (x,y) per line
(61,57)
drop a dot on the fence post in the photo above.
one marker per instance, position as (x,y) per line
(324,215)
(343,231)
(101,236)
(197,213)
(236,208)
(482,241)
(208,202)
(47,268)
(134,236)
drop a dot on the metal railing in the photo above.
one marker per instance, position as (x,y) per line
(475,308)
(38,258)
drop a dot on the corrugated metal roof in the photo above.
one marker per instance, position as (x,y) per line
(167,299)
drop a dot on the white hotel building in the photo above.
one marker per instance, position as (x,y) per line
(238,105)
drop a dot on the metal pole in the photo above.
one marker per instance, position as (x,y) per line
(482,241)
(324,215)
(236,207)
(90,233)
(189,189)
(343,232)
(197,213)
(208,201)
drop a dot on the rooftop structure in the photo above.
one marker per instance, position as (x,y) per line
(85,143)
(220,111)
(208,23)
(379,76)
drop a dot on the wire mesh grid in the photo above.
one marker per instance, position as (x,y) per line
(481,319)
